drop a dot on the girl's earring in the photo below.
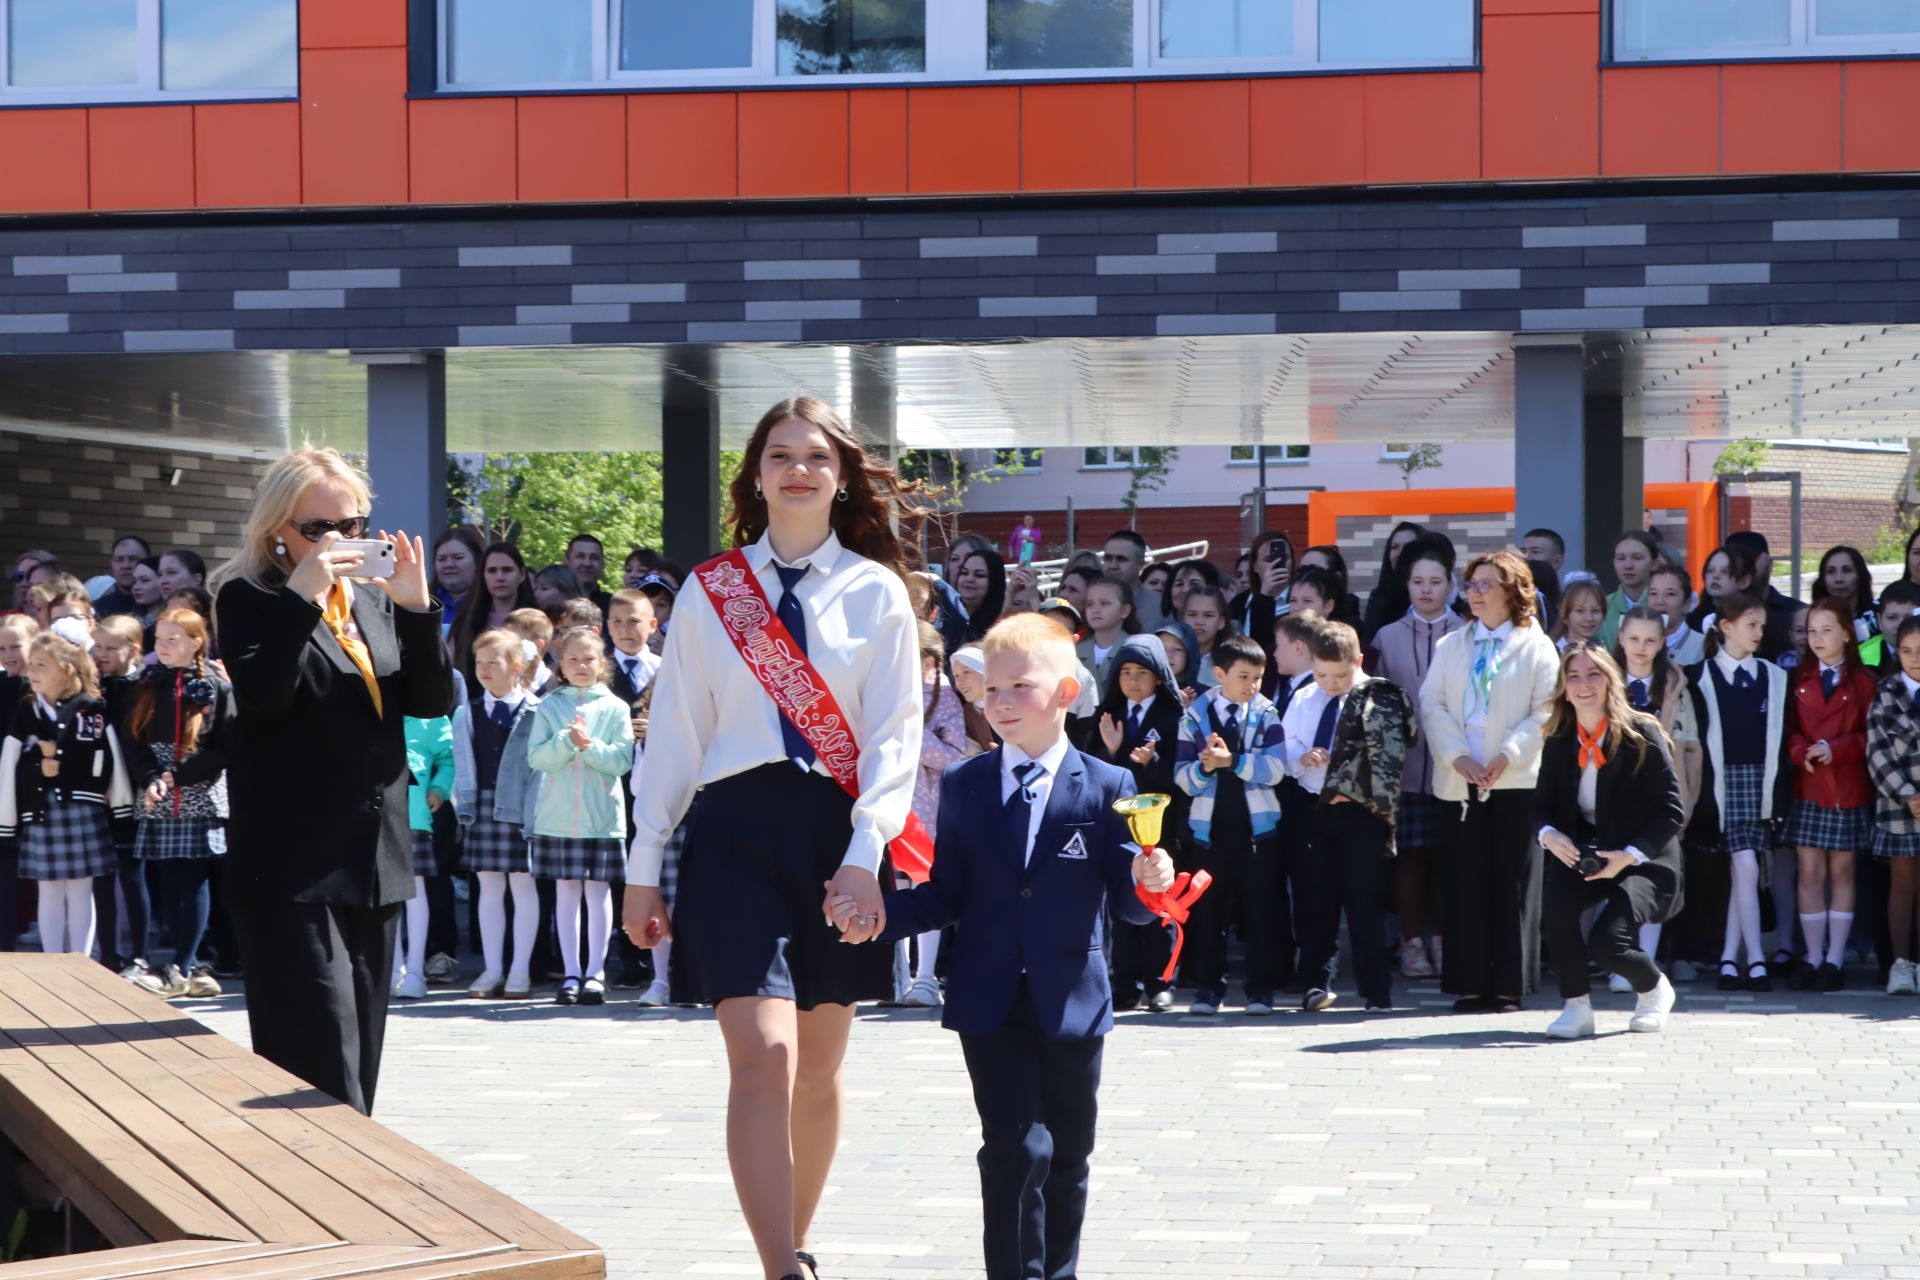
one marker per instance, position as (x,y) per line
(756,490)
(842,497)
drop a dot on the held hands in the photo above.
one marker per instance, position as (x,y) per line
(577,734)
(49,766)
(1217,755)
(408,585)
(640,729)
(1819,753)
(157,789)
(645,913)
(1616,861)
(1153,871)
(853,905)
(1315,759)
(314,576)
(1144,753)
(1559,846)
(1480,775)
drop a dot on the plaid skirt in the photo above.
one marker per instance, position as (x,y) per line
(493,846)
(1419,821)
(425,865)
(1895,844)
(74,842)
(577,858)
(1741,826)
(160,839)
(1815,827)
(670,864)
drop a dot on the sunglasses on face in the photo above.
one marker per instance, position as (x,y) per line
(314,530)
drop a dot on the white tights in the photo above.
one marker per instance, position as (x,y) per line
(567,896)
(66,916)
(1743,909)
(411,956)
(929,955)
(493,919)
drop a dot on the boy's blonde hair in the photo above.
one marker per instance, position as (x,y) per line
(530,624)
(1335,642)
(1038,637)
(125,628)
(24,623)
(502,639)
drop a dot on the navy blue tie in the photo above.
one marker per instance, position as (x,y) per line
(502,715)
(1133,725)
(798,749)
(1323,732)
(1019,806)
(1829,681)
(1637,695)
(1742,678)
(1230,729)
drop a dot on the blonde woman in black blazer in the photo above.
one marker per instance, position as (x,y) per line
(325,670)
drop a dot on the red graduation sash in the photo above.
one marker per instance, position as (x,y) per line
(796,687)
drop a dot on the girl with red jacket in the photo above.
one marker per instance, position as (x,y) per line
(1832,797)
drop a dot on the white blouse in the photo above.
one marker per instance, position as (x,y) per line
(711,719)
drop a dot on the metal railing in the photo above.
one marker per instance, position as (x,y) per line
(1049,572)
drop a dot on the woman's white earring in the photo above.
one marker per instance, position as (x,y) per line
(842,496)
(280,546)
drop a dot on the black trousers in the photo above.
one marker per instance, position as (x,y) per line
(11,890)
(1138,959)
(1614,941)
(130,876)
(443,933)
(1493,895)
(1235,860)
(317,979)
(1343,867)
(1038,1100)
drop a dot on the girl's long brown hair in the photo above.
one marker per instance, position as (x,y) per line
(1841,613)
(872,521)
(70,658)
(1624,724)
(191,714)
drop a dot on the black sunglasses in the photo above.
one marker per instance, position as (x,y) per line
(314,530)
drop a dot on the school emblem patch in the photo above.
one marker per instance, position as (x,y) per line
(1076,847)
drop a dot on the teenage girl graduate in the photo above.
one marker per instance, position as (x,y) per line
(1745,730)
(1832,796)
(813,521)
(493,789)
(430,761)
(180,733)
(64,785)
(581,745)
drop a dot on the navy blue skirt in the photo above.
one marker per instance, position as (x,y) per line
(746,921)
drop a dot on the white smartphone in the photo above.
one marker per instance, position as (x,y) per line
(376,556)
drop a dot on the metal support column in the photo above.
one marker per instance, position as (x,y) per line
(1574,469)
(689,461)
(407,440)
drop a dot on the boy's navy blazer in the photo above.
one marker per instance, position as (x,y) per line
(1047,917)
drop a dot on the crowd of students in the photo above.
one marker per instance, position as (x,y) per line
(1380,760)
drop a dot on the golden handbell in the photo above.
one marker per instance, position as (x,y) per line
(1144,815)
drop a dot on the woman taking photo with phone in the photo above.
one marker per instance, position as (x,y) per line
(770,833)
(325,669)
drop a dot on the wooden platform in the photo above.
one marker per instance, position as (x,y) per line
(202,1161)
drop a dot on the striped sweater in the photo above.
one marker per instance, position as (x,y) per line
(1259,761)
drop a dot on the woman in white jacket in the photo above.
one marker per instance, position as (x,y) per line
(1483,706)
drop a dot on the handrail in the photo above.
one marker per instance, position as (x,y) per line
(1048,573)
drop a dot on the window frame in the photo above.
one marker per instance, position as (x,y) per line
(956,54)
(1025,468)
(1388,453)
(1803,43)
(1304,459)
(1111,464)
(150,87)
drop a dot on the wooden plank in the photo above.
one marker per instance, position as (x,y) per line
(266,1213)
(339,1260)
(113,1264)
(41,1111)
(93,1203)
(524,1264)
(293,1123)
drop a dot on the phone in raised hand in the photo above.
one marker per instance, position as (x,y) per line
(376,556)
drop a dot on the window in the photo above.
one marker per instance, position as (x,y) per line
(1395,452)
(1109,457)
(559,44)
(1021,460)
(147,50)
(1655,30)
(1281,454)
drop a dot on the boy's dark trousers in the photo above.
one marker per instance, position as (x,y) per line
(1343,865)
(1037,1099)
(1231,857)
(1139,957)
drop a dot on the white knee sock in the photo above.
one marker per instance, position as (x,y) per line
(81,917)
(929,955)
(567,895)
(1650,941)
(599,896)
(1813,927)
(493,919)
(1839,924)
(1743,909)
(662,958)
(526,919)
(417,929)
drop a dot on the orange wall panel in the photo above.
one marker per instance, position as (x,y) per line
(963,139)
(1192,133)
(353,126)
(463,150)
(1660,120)
(246,155)
(1076,137)
(43,161)
(1309,131)
(1877,94)
(1491,8)
(140,157)
(682,146)
(1423,128)
(794,144)
(877,142)
(353,24)
(573,148)
(1540,96)
(1783,118)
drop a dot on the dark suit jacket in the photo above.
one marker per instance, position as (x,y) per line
(317,782)
(1635,803)
(1047,917)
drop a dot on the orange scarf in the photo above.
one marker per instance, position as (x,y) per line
(1592,745)
(338,615)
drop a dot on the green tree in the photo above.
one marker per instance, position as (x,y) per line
(1422,457)
(1742,457)
(1151,466)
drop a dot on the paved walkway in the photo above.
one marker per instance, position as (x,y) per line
(1772,1135)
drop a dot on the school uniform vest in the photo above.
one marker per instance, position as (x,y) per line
(489,745)
(1743,717)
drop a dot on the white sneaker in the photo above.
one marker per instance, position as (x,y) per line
(1685,971)
(519,987)
(1259,1009)
(923,994)
(410,987)
(440,967)
(1413,959)
(655,996)
(1575,1021)
(1902,979)
(1651,1009)
(1619,985)
(487,986)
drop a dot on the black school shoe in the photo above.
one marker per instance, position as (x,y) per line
(1830,978)
(1729,976)
(569,992)
(593,991)
(1803,977)
(1758,979)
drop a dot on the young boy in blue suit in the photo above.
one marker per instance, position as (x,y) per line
(1028,856)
